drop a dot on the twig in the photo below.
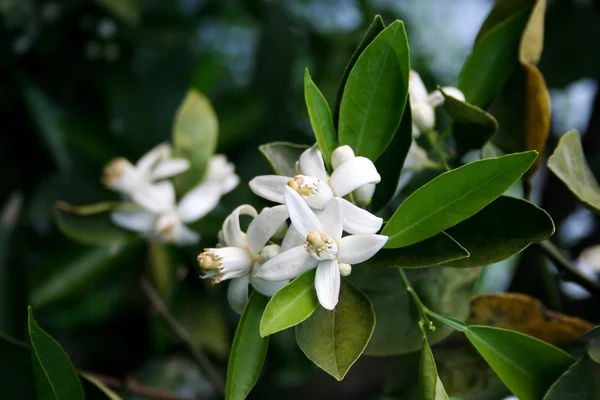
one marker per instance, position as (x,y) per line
(421,308)
(568,269)
(183,335)
(134,386)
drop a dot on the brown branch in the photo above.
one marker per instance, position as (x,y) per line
(182,334)
(134,386)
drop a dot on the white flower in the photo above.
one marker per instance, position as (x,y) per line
(316,187)
(423,105)
(242,253)
(166,220)
(323,248)
(363,194)
(136,182)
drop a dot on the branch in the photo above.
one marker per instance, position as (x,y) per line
(568,269)
(134,386)
(159,305)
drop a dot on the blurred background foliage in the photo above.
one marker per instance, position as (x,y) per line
(84,81)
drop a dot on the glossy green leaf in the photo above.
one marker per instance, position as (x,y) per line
(375,94)
(291,305)
(54,374)
(446,290)
(195,136)
(334,340)
(90,224)
(248,351)
(374,29)
(526,365)
(91,381)
(430,385)
(436,250)
(592,341)
(320,118)
(16,377)
(569,165)
(580,382)
(472,127)
(502,229)
(453,197)
(283,156)
(389,165)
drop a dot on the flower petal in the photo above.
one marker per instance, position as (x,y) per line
(161,151)
(357,220)
(186,236)
(364,194)
(340,155)
(157,198)
(265,287)
(232,233)
(264,226)
(416,88)
(237,293)
(311,163)
(292,238)
(199,201)
(352,174)
(327,283)
(355,249)
(332,218)
(436,98)
(270,187)
(300,213)
(137,221)
(287,265)
(169,167)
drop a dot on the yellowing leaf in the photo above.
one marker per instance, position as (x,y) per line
(537,111)
(526,315)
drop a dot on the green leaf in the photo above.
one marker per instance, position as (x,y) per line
(92,383)
(283,156)
(592,341)
(16,377)
(375,94)
(391,161)
(446,290)
(453,197)
(374,29)
(472,127)
(502,229)
(55,377)
(439,249)
(493,60)
(248,351)
(90,224)
(291,305)
(430,385)
(569,165)
(580,382)
(320,118)
(334,340)
(195,135)
(526,365)
(453,323)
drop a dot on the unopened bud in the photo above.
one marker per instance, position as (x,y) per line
(341,155)
(345,269)
(423,116)
(364,194)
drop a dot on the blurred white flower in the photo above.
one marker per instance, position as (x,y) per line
(319,244)
(317,188)
(588,264)
(242,253)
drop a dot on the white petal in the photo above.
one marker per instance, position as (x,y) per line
(416,88)
(327,283)
(353,174)
(355,249)
(416,158)
(157,198)
(170,167)
(435,98)
(270,187)
(199,201)
(286,265)
(332,218)
(292,238)
(265,287)
(237,293)
(322,195)
(264,226)
(144,164)
(357,220)
(311,163)
(138,221)
(186,237)
(232,233)
(300,213)
(233,261)
(341,155)
(423,116)
(230,183)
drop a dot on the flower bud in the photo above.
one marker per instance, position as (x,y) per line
(345,269)
(364,194)
(423,116)
(268,252)
(341,155)
(454,92)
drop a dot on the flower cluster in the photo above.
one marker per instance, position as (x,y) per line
(158,215)
(313,201)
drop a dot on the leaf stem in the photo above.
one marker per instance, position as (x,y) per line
(133,386)
(568,269)
(421,308)
(432,138)
(161,308)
